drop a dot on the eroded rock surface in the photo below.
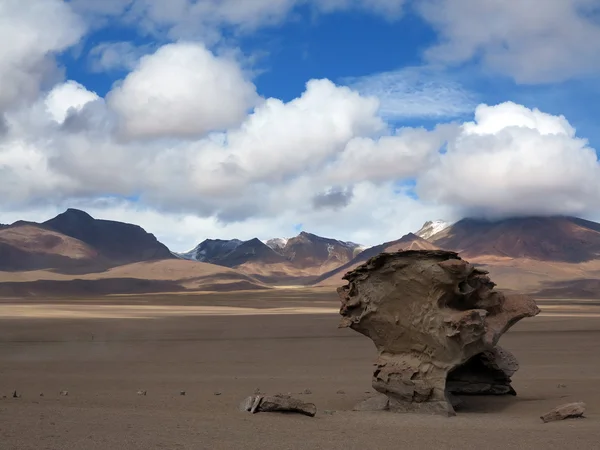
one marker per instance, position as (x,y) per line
(429,313)
(562,412)
(277,403)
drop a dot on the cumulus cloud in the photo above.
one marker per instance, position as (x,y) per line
(31,38)
(111,56)
(68,98)
(532,42)
(404,154)
(182,90)
(515,161)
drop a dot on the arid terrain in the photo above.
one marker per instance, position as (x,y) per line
(221,347)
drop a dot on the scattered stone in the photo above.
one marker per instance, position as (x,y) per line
(560,385)
(306,392)
(140,392)
(181,392)
(340,392)
(217,393)
(64,393)
(246,404)
(41,394)
(277,403)
(328,412)
(15,394)
(562,412)
(378,403)
(435,320)
(255,403)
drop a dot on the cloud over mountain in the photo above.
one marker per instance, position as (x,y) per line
(186,145)
(515,161)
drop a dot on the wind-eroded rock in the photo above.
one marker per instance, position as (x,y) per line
(562,412)
(429,312)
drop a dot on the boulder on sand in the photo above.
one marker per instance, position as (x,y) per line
(435,320)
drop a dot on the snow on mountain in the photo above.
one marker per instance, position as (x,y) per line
(432,227)
(210,249)
(277,244)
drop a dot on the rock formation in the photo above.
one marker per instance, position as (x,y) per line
(435,320)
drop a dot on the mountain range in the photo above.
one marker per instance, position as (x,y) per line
(77,254)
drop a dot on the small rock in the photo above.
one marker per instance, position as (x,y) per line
(560,385)
(340,392)
(328,412)
(141,392)
(217,393)
(41,394)
(257,391)
(567,411)
(277,403)
(15,394)
(378,403)
(181,392)
(64,393)
(306,392)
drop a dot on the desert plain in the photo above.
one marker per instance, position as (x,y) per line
(221,347)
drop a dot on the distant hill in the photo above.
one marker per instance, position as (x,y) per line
(408,242)
(211,250)
(25,246)
(297,259)
(172,275)
(118,242)
(561,239)
(545,256)
(309,251)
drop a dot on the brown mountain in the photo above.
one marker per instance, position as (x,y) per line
(250,251)
(547,256)
(120,243)
(309,251)
(562,239)
(26,246)
(297,260)
(408,242)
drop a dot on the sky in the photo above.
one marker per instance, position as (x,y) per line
(352,119)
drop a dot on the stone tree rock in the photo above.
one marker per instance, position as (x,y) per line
(429,313)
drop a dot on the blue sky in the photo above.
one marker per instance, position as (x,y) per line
(358,119)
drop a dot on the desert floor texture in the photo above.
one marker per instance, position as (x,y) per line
(219,348)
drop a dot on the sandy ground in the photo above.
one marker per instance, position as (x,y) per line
(104,350)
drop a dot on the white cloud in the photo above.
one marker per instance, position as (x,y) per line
(182,90)
(30,38)
(515,161)
(109,56)
(205,19)
(531,41)
(403,155)
(67,98)
(416,92)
